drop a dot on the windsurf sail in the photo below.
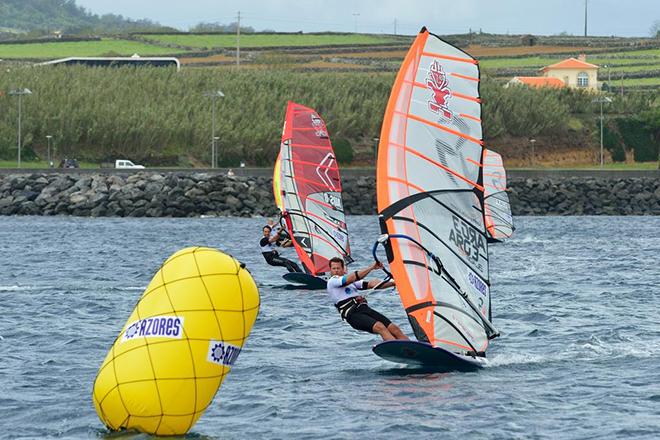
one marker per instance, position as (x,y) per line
(277,191)
(497,207)
(430,197)
(310,190)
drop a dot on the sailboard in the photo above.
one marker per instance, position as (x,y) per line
(497,207)
(306,280)
(309,188)
(430,194)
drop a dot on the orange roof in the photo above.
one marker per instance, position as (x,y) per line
(571,63)
(539,81)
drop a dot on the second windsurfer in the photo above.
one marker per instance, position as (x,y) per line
(271,256)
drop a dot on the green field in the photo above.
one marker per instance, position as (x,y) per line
(503,63)
(637,82)
(651,57)
(271,40)
(80,48)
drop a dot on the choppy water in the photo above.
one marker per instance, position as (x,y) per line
(576,298)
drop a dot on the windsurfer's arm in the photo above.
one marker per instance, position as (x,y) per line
(380,284)
(360,274)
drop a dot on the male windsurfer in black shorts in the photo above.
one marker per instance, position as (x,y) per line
(271,255)
(343,289)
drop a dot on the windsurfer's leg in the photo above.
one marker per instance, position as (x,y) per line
(396,331)
(384,333)
(277,261)
(291,266)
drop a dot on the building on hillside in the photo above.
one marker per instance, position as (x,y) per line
(134,60)
(575,73)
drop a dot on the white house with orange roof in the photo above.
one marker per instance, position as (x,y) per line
(573,72)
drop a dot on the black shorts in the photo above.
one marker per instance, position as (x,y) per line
(363,317)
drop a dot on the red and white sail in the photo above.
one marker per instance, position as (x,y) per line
(310,190)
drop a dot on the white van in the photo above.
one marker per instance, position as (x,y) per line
(123,163)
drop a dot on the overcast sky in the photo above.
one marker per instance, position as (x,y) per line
(541,17)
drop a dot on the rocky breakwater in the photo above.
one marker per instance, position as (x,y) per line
(135,195)
(585,196)
(189,194)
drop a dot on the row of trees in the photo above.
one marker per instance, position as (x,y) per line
(158,116)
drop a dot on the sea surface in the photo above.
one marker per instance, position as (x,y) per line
(577,300)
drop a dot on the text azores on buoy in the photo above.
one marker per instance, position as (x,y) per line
(178,344)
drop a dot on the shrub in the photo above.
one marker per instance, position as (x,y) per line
(343,151)
(612,142)
(637,138)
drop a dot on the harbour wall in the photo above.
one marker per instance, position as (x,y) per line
(167,193)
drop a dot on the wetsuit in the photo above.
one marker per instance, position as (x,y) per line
(274,259)
(353,307)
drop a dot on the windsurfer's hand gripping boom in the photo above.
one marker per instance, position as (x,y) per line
(372,284)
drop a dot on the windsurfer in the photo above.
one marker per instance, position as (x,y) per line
(271,256)
(344,290)
(283,239)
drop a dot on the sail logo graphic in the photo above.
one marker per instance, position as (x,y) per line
(436,81)
(319,126)
(333,200)
(465,237)
(323,171)
(156,327)
(476,282)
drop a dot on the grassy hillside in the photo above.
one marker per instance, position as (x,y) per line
(43,16)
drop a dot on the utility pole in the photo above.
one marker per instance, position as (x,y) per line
(585,17)
(395,26)
(238,40)
(356,15)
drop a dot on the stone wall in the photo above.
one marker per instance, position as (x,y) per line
(189,194)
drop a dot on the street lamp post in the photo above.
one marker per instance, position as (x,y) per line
(602,100)
(214,96)
(532,141)
(215,151)
(20,93)
(50,163)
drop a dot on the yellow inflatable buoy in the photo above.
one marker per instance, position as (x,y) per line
(178,344)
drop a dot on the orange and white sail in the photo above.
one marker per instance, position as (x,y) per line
(497,207)
(430,196)
(309,189)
